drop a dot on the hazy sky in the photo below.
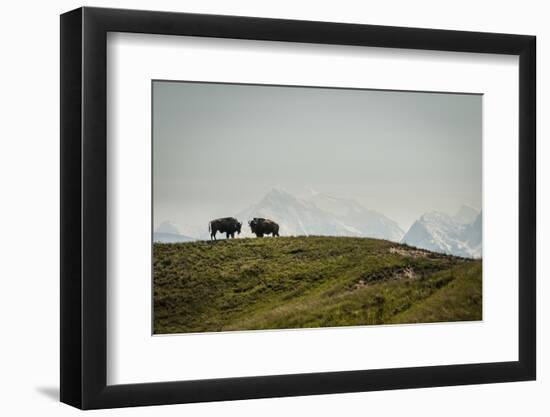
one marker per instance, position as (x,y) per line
(218,148)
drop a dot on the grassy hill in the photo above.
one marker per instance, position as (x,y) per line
(296,282)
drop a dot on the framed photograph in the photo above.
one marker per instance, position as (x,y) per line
(258,208)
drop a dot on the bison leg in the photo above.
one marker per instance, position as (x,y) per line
(213,235)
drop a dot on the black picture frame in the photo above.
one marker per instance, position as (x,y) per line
(84,207)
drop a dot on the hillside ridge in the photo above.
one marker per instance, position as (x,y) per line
(304,282)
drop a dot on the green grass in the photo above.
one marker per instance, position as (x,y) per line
(298,282)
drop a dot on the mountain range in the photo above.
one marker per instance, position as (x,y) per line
(322,214)
(168,232)
(459,235)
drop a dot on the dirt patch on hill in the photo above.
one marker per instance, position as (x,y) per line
(410,252)
(389,275)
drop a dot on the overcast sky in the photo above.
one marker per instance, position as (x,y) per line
(218,148)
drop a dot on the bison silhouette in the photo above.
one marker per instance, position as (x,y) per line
(261,227)
(227,225)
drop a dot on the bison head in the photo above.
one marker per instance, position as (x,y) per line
(239,224)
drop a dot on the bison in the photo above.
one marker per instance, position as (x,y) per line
(261,227)
(227,225)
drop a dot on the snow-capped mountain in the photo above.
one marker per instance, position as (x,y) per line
(474,236)
(440,232)
(168,232)
(466,215)
(320,215)
(168,227)
(368,222)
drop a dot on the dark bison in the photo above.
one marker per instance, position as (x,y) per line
(227,225)
(261,227)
